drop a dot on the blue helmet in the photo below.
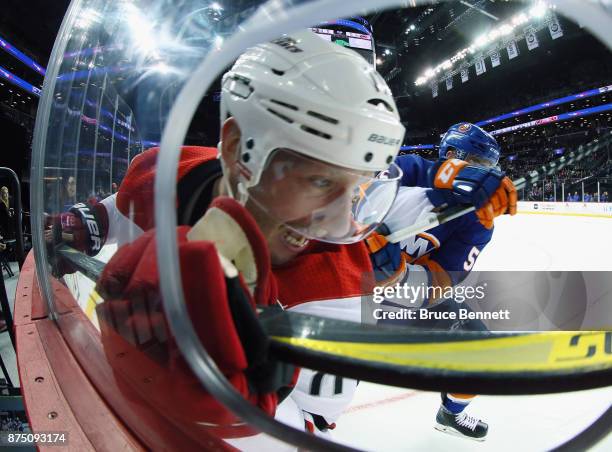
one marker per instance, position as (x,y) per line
(469,140)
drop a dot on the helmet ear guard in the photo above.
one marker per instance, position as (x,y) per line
(240,190)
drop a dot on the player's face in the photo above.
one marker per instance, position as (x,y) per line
(301,193)
(297,197)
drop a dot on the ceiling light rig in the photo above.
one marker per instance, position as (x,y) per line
(410,28)
(537,11)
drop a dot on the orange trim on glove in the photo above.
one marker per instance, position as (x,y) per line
(376,242)
(446,174)
(503,200)
(461,396)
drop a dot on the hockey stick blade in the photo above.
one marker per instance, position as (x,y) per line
(467,361)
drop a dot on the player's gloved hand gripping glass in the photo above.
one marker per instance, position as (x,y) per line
(321,201)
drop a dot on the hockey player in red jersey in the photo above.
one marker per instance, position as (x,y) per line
(296,149)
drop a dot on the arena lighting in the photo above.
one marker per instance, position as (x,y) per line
(149,144)
(13,79)
(537,11)
(547,104)
(116,135)
(417,147)
(553,119)
(348,23)
(144,37)
(572,115)
(161,68)
(87,18)
(87,52)
(83,74)
(218,41)
(7,47)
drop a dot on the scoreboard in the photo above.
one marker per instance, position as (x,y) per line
(359,42)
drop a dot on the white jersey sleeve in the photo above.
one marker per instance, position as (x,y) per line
(410,205)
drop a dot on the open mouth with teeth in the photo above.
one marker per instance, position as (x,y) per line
(292,240)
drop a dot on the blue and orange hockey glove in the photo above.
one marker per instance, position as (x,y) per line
(488,189)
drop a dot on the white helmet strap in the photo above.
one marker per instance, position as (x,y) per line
(243,194)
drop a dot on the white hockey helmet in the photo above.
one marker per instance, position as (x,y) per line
(324,102)
(303,93)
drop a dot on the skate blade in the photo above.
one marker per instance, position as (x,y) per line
(453,432)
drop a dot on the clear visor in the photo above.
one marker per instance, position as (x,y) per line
(321,201)
(478,160)
(474,159)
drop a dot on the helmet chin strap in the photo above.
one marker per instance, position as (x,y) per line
(243,194)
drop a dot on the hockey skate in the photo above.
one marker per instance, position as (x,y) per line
(461,424)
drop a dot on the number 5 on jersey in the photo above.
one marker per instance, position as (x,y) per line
(471,259)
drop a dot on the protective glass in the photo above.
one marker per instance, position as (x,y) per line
(114,79)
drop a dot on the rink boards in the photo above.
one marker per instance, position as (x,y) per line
(577,209)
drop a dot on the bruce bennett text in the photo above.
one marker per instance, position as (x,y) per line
(426,314)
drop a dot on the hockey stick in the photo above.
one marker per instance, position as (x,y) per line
(481,361)
(434,219)
(470,361)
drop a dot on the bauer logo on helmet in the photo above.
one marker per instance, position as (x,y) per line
(288,43)
(384,140)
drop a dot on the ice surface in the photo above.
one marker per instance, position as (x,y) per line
(396,419)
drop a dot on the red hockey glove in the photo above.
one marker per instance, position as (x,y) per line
(221,309)
(83,228)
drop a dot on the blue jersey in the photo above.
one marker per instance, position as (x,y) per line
(415,170)
(442,256)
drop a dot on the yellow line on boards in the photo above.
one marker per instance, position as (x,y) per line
(93,300)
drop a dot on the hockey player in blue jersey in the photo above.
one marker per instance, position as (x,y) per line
(431,259)
(443,256)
